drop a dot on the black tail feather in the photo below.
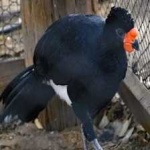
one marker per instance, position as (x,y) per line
(14,83)
(14,91)
(25,97)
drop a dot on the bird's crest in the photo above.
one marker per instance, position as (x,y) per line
(122,16)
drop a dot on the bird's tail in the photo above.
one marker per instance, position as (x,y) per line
(25,96)
(5,94)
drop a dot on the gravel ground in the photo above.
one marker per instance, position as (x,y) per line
(117,129)
(28,137)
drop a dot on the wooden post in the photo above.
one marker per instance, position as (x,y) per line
(37,15)
(136,97)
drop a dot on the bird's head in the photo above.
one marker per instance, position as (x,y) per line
(120,27)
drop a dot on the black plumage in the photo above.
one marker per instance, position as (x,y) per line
(84,52)
(25,97)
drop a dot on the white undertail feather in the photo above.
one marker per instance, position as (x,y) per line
(61,91)
(10,119)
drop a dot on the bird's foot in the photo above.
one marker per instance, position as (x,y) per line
(96,145)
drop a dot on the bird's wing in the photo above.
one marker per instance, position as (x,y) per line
(68,47)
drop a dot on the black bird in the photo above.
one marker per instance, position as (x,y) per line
(81,58)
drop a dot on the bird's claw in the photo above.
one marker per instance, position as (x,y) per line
(96,145)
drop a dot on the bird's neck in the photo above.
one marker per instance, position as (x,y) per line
(113,58)
(109,42)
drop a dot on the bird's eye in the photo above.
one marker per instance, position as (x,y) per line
(120,32)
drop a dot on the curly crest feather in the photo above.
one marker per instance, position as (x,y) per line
(122,16)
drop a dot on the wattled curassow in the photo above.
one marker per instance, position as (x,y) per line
(82,59)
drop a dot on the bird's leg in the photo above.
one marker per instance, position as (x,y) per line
(81,112)
(85,146)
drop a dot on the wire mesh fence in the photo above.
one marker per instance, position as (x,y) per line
(11,36)
(140,10)
(10,24)
(140,61)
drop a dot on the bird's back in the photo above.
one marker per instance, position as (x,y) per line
(68,48)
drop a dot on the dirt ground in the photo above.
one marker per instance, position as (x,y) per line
(116,129)
(28,137)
